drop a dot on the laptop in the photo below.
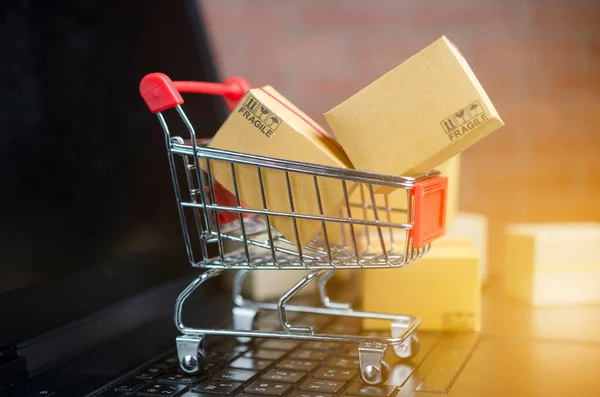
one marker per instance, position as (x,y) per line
(92,253)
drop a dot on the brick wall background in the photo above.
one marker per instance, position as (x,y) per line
(539,61)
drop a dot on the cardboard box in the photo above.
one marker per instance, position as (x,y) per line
(271,284)
(397,202)
(553,264)
(442,288)
(418,115)
(265,123)
(475,228)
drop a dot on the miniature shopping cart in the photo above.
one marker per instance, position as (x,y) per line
(373,234)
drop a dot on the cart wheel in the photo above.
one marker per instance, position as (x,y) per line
(409,348)
(373,369)
(374,376)
(243,320)
(190,353)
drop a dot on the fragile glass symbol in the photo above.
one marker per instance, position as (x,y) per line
(462,116)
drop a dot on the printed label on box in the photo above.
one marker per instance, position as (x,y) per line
(464,120)
(260,116)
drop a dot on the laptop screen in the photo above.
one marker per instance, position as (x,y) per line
(87,210)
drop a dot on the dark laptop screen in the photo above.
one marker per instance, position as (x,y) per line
(87,211)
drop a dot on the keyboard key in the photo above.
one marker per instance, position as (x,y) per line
(279,344)
(350,351)
(167,363)
(322,386)
(150,373)
(223,356)
(192,394)
(268,388)
(108,393)
(181,378)
(359,388)
(282,375)
(309,355)
(297,365)
(250,363)
(243,395)
(43,392)
(310,394)
(230,349)
(210,365)
(217,387)
(235,375)
(321,346)
(335,374)
(343,362)
(157,389)
(266,354)
(129,384)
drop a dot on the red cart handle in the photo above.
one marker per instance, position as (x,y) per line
(160,93)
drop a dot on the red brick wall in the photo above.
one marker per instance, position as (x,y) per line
(539,61)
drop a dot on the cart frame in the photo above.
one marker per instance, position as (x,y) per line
(264,248)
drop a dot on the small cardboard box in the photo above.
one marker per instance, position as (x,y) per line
(418,115)
(442,288)
(271,284)
(265,123)
(474,227)
(553,264)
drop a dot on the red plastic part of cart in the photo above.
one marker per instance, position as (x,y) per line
(160,93)
(430,197)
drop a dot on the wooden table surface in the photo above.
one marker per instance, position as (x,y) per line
(525,351)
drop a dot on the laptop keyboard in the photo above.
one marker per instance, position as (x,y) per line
(274,367)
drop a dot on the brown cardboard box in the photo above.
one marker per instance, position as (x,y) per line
(474,227)
(418,115)
(264,123)
(442,288)
(553,264)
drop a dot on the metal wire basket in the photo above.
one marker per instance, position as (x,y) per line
(363,234)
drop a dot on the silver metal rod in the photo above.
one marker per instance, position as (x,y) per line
(264,201)
(211,187)
(207,275)
(303,168)
(322,285)
(241,217)
(238,283)
(192,132)
(194,191)
(389,219)
(376,216)
(289,294)
(349,213)
(293,211)
(298,216)
(323,226)
(175,180)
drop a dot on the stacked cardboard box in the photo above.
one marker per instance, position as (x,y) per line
(442,288)
(473,227)
(553,264)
